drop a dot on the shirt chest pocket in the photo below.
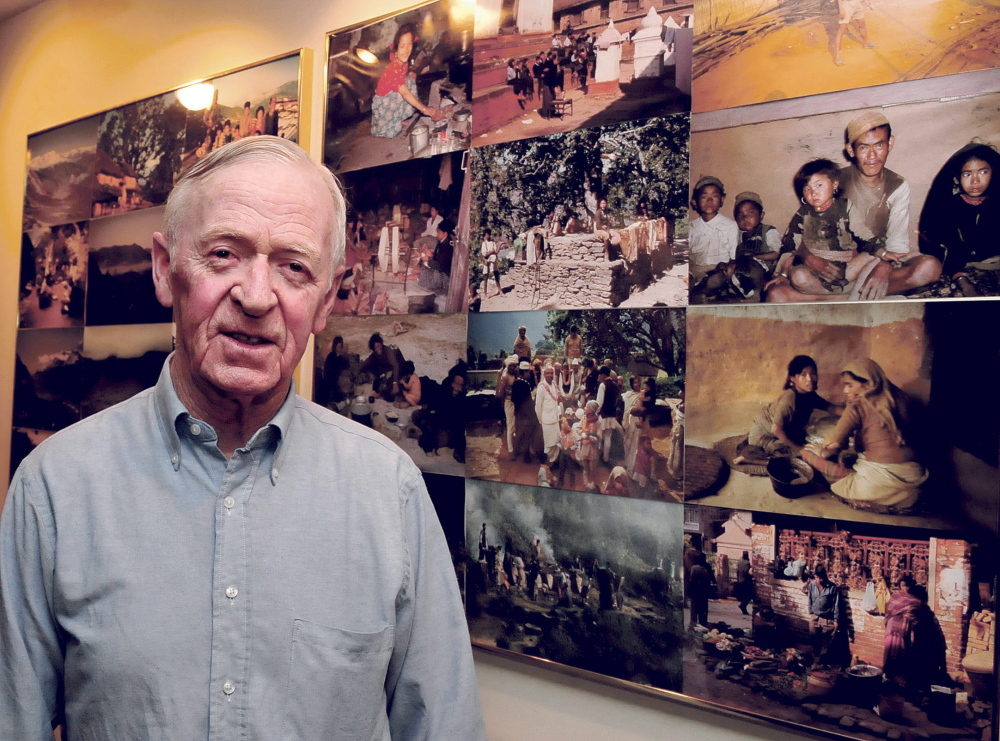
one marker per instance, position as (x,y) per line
(336,684)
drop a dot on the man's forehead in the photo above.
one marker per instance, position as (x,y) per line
(873,136)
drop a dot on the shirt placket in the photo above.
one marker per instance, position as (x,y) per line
(230,600)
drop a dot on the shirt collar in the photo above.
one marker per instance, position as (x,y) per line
(170,412)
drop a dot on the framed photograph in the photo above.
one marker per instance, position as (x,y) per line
(583,220)
(120,276)
(589,582)
(139,149)
(399,87)
(60,177)
(845,628)
(756,52)
(898,217)
(402,376)
(846,411)
(405,249)
(47,379)
(118,362)
(579,400)
(543,67)
(261,99)
(53,276)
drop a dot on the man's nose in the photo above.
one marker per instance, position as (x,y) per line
(254,292)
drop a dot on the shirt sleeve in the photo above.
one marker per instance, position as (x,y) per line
(793,235)
(848,422)
(897,232)
(732,238)
(31,656)
(772,240)
(600,397)
(431,684)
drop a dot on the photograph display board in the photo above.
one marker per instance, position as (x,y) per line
(91,330)
(705,401)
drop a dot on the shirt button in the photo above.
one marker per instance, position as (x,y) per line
(229,688)
(229,502)
(195,429)
(231,592)
(274,473)
(174,458)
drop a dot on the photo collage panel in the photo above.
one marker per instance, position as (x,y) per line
(685,311)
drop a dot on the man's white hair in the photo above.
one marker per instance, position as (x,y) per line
(265,149)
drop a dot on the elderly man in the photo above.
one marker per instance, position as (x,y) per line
(878,216)
(217,557)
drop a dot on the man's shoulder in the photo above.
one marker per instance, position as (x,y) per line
(321,426)
(124,428)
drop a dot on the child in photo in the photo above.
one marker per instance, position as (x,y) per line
(759,242)
(821,256)
(713,237)
(961,220)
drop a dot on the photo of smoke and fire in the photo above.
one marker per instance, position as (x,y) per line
(588,581)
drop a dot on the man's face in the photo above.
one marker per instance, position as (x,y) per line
(870,152)
(249,280)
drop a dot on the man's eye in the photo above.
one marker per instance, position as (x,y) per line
(222,253)
(296,267)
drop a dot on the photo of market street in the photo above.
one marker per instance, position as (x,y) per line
(850,628)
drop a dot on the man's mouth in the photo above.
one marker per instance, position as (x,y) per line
(247,339)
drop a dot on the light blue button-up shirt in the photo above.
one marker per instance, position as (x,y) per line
(151,589)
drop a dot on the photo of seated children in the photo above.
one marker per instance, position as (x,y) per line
(757,252)
(713,237)
(821,256)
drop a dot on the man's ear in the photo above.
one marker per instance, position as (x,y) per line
(850,151)
(161,270)
(892,141)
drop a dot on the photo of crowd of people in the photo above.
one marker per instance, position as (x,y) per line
(584,401)
(815,621)
(590,582)
(263,99)
(884,202)
(404,253)
(585,219)
(846,411)
(405,377)
(400,87)
(828,46)
(543,67)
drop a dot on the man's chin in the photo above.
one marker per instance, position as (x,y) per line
(242,382)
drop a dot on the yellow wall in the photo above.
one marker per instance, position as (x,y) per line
(66,59)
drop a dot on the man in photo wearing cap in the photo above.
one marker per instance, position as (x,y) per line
(878,213)
(713,237)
